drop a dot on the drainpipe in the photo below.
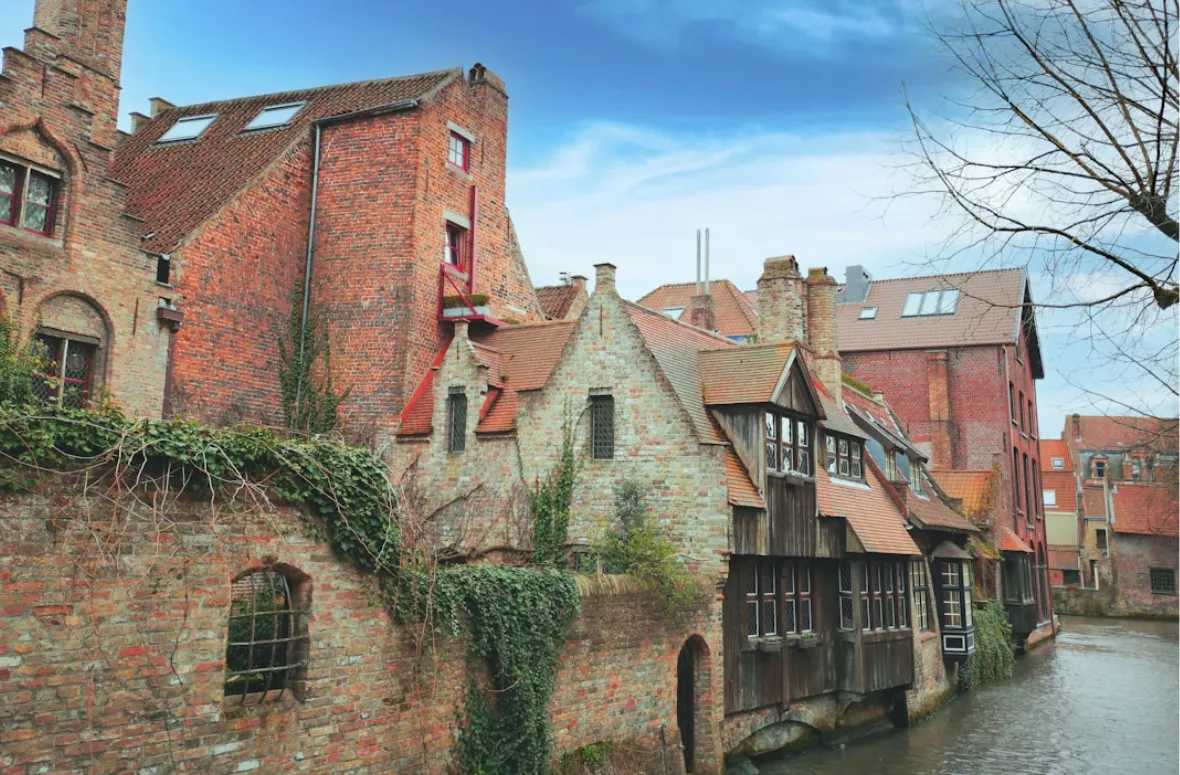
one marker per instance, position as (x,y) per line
(399,105)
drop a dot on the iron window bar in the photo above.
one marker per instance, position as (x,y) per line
(280,634)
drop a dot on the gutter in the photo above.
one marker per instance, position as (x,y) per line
(392,107)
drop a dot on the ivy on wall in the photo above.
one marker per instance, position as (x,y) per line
(994,655)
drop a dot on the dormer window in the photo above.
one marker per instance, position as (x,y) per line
(844,457)
(275,115)
(915,476)
(924,303)
(187,128)
(28,198)
(788,444)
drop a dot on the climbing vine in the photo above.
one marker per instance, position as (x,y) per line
(18,362)
(551,504)
(994,655)
(310,400)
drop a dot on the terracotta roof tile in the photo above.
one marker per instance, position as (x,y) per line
(1010,542)
(836,417)
(1094,501)
(525,357)
(556,300)
(1051,448)
(976,320)
(735,315)
(1111,433)
(743,375)
(870,513)
(931,512)
(418,418)
(975,488)
(1064,487)
(742,491)
(1145,509)
(176,187)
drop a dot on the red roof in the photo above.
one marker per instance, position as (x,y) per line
(1113,433)
(870,512)
(988,312)
(734,315)
(1064,486)
(175,187)
(975,488)
(1054,448)
(742,491)
(743,375)
(556,300)
(524,357)
(1145,509)
(1094,501)
(1010,542)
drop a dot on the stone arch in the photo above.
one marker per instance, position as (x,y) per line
(694,705)
(82,324)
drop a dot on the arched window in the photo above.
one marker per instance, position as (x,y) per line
(266,647)
(71,342)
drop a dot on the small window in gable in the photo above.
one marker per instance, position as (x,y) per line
(844,457)
(266,646)
(187,128)
(867,313)
(275,115)
(457,419)
(459,151)
(602,427)
(28,197)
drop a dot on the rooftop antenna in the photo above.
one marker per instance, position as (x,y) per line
(706,262)
(698,293)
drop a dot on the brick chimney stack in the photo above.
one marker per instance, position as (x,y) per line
(938,378)
(604,278)
(821,330)
(579,282)
(88,31)
(1075,423)
(700,312)
(782,315)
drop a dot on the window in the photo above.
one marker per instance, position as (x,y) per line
(1071,577)
(887,607)
(1136,472)
(1016,477)
(1050,497)
(788,444)
(27,196)
(952,594)
(602,427)
(915,476)
(459,151)
(921,304)
(797,593)
(920,586)
(163,269)
(1035,487)
(66,367)
(1163,581)
(187,128)
(844,456)
(902,601)
(1012,402)
(1017,577)
(1057,462)
(457,419)
(1028,502)
(867,313)
(275,115)
(1094,573)
(761,599)
(1032,431)
(266,645)
(1100,541)
(1021,412)
(1099,469)
(455,253)
(847,621)
(674,312)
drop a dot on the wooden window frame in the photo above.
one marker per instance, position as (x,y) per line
(845,457)
(602,427)
(844,589)
(776,443)
(58,347)
(919,589)
(761,598)
(458,147)
(797,597)
(456,246)
(15,196)
(20,204)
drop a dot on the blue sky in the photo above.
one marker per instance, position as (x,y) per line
(777,123)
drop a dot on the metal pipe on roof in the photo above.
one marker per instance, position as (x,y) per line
(706,261)
(698,292)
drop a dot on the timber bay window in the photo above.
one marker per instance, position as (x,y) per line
(266,646)
(847,610)
(844,457)
(28,198)
(1163,581)
(457,419)
(884,604)
(788,444)
(762,600)
(602,427)
(777,598)
(921,586)
(955,578)
(65,370)
(1017,578)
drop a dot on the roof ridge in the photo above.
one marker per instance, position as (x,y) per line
(680,323)
(971,273)
(325,87)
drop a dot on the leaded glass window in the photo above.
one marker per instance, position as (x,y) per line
(602,427)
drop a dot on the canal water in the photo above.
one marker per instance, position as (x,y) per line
(1102,699)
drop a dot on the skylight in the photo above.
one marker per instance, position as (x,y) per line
(867,313)
(674,312)
(1057,462)
(275,115)
(187,128)
(923,303)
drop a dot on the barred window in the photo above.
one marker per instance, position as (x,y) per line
(920,584)
(602,427)
(1163,581)
(457,420)
(266,647)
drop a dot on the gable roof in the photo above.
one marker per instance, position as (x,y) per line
(976,489)
(519,358)
(1158,434)
(1064,486)
(977,319)
(1051,448)
(1145,509)
(734,315)
(1010,542)
(175,187)
(747,374)
(556,300)
(1094,501)
(742,491)
(870,512)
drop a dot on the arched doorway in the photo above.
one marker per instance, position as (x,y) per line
(686,703)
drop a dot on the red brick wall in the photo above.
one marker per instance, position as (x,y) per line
(61,114)
(1132,557)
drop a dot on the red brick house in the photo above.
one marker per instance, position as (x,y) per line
(72,260)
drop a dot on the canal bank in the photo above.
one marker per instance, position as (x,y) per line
(1102,697)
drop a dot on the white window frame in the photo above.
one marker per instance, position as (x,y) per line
(175,136)
(867,313)
(288,109)
(1049,497)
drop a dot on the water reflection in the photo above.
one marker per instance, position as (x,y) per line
(1105,698)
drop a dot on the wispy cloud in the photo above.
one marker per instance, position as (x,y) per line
(784,24)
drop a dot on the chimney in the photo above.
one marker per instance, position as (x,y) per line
(87,31)
(137,121)
(159,105)
(701,313)
(579,282)
(821,330)
(1075,422)
(938,381)
(781,313)
(856,284)
(604,278)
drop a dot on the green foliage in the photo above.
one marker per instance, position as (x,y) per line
(257,620)
(594,753)
(18,362)
(310,401)
(551,505)
(517,620)
(856,385)
(637,546)
(994,654)
(457,302)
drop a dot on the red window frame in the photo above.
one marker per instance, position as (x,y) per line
(50,207)
(455,248)
(459,152)
(56,351)
(13,197)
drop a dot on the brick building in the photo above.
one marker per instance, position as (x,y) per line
(565,301)
(1064,523)
(72,262)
